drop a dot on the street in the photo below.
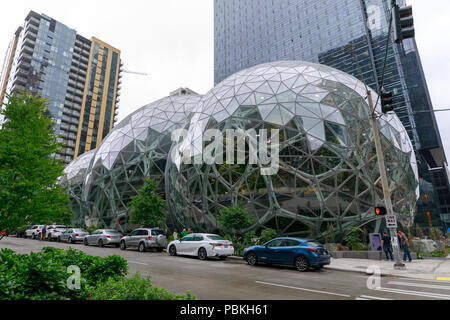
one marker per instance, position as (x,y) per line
(233,279)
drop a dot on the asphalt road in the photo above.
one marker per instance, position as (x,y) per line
(233,279)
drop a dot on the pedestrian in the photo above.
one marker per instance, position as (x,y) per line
(166,233)
(404,242)
(184,233)
(387,246)
(175,234)
(43,232)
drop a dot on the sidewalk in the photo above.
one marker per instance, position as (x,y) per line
(427,269)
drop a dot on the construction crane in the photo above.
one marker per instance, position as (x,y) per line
(134,72)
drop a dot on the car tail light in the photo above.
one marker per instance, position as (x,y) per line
(231,244)
(77,235)
(216,244)
(149,237)
(314,250)
(109,237)
(37,230)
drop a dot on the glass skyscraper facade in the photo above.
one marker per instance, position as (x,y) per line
(350,35)
(51,59)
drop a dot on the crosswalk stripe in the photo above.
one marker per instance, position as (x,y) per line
(415,293)
(375,298)
(303,289)
(419,285)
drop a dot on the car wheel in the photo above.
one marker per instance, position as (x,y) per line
(141,247)
(100,243)
(33,237)
(302,264)
(59,239)
(202,254)
(123,246)
(173,250)
(85,241)
(252,259)
(70,240)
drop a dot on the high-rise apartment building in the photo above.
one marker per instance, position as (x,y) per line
(80,77)
(350,35)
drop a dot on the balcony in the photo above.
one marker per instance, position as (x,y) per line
(34,21)
(25,57)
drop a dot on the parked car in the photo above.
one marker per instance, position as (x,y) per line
(301,253)
(72,235)
(143,239)
(203,245)
(21,232)
(103,237)
(54,231)
(34,232)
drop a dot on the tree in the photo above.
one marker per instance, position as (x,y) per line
(29,171)
(235,219)
(148,208)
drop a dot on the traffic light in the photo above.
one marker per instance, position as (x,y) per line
(380,211)
(403,23)
(387,99)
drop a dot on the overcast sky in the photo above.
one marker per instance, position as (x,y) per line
(172,41)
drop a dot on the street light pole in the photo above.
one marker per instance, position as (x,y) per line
(384,181)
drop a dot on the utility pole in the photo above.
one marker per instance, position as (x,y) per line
(384,181)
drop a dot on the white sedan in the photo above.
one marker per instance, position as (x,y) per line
(203,245)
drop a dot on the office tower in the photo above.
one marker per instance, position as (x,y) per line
(80,77)
(350,35)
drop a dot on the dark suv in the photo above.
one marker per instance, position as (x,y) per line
(143,239)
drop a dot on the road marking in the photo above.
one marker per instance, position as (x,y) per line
(419,285)
(303,289)
(443,279)
(415,293)
(135,262)
(374,298)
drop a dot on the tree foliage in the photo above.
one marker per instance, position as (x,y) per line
(235,219)
(148,208)
(29,171)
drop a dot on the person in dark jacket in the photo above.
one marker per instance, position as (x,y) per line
(387,246)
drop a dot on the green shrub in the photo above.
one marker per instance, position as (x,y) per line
(267,235)
(92,228)
(36,276)
(134,288)
(43,275)
(353,240)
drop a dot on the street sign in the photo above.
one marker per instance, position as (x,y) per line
(391,221)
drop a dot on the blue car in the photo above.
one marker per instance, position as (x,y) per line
(301,253)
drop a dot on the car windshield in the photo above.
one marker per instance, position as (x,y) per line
(79,230)
(313,244)
(215,237)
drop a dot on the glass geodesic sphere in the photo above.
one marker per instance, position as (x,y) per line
(328,177)
(73,181)
(134,150)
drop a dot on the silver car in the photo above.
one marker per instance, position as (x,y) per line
(103,237)
(72,235)
(34,232)
(145,238)
(54,231)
